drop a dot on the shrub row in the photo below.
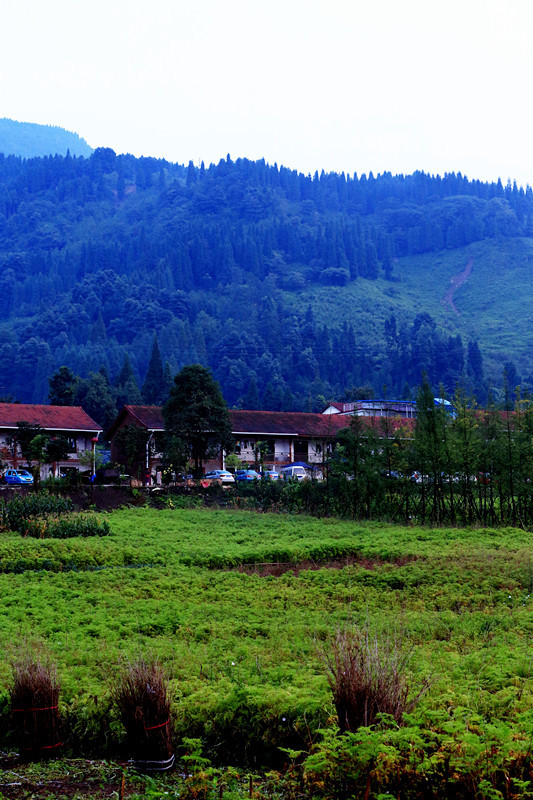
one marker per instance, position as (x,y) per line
(14,513)
(64,527)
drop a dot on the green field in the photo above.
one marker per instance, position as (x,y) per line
(242,646)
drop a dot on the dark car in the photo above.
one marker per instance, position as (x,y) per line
(247,475)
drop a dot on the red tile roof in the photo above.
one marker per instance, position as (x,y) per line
(150,417)
(52,418)
(293,423)
(270,423)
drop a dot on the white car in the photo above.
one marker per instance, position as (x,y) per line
(295,472)
(221,475)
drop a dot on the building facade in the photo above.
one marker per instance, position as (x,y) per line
(69,422)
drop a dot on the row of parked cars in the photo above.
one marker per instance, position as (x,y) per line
(249,475)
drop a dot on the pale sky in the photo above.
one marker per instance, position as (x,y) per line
(381,85)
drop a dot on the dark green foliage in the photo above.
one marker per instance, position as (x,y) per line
(131,442)
(68,527)
(14,513)
(57,448)
(63,387)
(126,388)
(38,515)
(197,423)
(211,260)
(154,390)
(96,397)
(29,438)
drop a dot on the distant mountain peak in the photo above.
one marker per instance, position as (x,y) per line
(29,140)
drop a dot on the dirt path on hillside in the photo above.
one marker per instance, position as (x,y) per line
(456,281)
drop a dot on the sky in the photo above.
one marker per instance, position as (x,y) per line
(339,85)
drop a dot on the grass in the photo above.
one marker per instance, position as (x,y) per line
(241,649)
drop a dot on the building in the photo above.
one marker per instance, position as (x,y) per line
(284,436)
(70,422)
(276,437)
(374,408)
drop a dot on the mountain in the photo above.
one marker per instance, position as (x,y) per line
(28,140)
(293,288)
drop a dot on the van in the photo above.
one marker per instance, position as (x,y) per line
(298,473)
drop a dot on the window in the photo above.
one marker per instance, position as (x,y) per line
(301,450)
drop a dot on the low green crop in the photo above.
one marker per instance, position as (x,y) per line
(195,588)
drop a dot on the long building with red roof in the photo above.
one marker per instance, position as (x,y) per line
(286,436)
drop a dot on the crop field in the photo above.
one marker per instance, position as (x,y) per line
(238,607)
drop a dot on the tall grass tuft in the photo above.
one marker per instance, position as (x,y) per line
(367,674)
(141,695)
(34,694)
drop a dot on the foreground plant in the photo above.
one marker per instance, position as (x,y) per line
(367,674)
(141,695)
(34,694)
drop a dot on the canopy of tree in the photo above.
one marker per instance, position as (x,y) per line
(197,423)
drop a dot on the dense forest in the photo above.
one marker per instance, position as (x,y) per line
(109,264)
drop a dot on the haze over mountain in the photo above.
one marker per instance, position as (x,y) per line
(293,288)
(28,139)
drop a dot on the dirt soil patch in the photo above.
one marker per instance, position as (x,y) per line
(78,778)
(104,498)
(276,569)
(456,281)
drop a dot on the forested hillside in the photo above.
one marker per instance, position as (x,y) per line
(293,289)
(28,139)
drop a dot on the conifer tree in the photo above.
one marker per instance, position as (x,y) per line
(153,390)
(63,387)
(126,389)
(197,422)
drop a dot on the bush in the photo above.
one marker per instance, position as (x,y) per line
(141,695)
(367,675)
(14,513)
(64,528)
(34,706)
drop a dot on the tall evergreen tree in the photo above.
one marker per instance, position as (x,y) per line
(197,422)
(153,390)
(126,389)
(63,387)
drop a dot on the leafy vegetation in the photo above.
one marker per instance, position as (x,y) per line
(243,650)
(15,513)
(197,423)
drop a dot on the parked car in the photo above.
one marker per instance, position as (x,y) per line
(270,474)
(221,475)
(18,476)
(393,474)
(420,477)
(247,475)
(298,473)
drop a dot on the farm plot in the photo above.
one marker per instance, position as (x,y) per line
(239,605)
